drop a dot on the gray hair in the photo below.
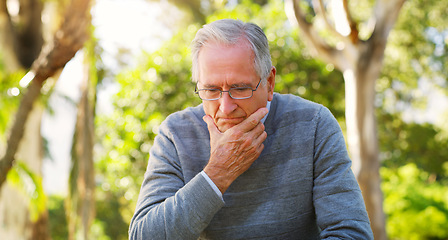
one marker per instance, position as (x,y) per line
(231,32)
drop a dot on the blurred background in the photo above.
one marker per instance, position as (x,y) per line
(106,73)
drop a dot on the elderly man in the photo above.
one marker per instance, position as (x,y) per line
(247,163)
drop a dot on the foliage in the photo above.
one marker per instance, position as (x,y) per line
(297,71)
(30,184)
(416,55)
(106,219)
(414,155)
(57,217)
(421,144)
(416,205)
(160,84)
(157,87)
(417,49)
(9,97)
(108,212)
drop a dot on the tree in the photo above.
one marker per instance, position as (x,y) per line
(361,62)
(160,84)
(415,70)
(80,203)
(66,42)
(25,41)
(415,204)
(21,37)
(197,10)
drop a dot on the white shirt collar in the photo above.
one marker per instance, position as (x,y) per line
(268,106)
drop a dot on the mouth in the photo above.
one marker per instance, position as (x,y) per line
(226,123)
(230,120)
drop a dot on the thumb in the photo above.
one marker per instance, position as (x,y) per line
(212,128)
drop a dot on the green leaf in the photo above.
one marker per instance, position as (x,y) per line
(30,184)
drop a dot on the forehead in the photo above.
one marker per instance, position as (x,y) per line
(214,52)
(226,64)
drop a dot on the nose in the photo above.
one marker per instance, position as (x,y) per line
(227,104)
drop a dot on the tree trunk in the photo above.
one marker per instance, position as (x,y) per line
(21,36)
(28,34)
(20,44)
(16,221)
(66,42)
(7,40)
(361,62)
(363,144)
(80,202)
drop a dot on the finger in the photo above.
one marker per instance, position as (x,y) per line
(254,119)
(256,131)
(259,129)
(260,148)
(212,128)
(260,138)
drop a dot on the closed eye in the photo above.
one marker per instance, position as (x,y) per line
(211,90)
(240,89)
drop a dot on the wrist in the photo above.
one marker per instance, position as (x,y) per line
(220,178)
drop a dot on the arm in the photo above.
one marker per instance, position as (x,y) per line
(338,201)
(232,152)
(168,208)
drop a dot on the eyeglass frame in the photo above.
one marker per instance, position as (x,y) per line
(196,90)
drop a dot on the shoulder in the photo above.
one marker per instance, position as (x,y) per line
(188,115)
(185,120)
(297,108)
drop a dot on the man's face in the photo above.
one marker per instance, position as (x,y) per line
(223,67)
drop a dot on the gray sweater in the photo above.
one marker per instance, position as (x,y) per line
(301,186)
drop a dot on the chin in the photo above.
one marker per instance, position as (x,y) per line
(224,125)
(225,128)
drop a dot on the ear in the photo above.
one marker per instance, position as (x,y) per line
(271,83)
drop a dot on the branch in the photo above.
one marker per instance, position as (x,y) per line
(322,49)
(66,42)
(385,15)
(353,26)
(320,9)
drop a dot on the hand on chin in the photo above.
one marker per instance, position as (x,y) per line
(224,124)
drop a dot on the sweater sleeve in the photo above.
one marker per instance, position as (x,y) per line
(169,208)
(339,206)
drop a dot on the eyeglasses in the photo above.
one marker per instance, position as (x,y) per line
(235,93)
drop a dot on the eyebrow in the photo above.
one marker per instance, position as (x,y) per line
(209,86)
(241,85)
(236,85)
